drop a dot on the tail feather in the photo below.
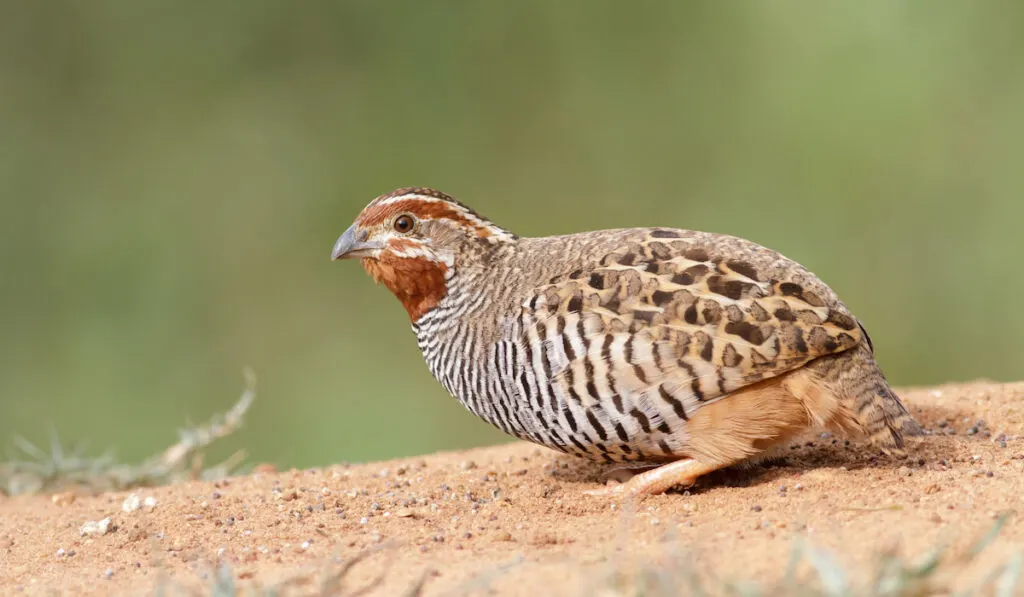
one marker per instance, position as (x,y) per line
(857,380)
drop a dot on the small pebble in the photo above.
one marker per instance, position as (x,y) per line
(756,508)
(108,573)
(131,503)
(101,527)
(63,499)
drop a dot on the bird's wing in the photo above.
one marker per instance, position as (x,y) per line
(674,320)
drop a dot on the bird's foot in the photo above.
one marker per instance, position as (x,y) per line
(622,474)
(656,481)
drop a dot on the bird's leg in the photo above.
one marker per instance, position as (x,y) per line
(621,474)
(680,472)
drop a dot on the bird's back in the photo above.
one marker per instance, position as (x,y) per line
(607,343)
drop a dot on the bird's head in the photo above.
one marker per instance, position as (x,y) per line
(411,239)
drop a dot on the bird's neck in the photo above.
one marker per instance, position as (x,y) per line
(420,284)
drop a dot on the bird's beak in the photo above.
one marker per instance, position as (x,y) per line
(352,244)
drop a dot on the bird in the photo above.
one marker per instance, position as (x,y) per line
(664,352)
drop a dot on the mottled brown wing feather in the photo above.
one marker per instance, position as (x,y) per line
(675,324)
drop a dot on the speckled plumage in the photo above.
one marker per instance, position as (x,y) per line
(643,346)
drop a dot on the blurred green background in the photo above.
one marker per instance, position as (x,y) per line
(173,176)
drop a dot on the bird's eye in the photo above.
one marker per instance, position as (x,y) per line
(403,224)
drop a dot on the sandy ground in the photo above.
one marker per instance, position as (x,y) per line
(513,518)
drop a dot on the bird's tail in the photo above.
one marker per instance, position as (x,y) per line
(886,419)
(877,410)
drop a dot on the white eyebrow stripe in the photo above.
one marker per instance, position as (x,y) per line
(424,198)
(467,214)
(400,198)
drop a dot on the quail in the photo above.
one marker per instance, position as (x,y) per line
(669,351)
